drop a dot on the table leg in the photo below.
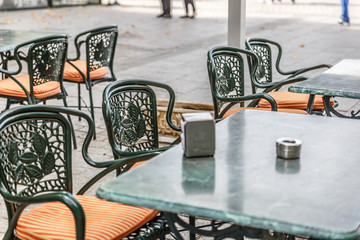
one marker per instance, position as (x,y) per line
(310,104)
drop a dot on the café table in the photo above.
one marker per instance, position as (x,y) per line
(247,185)
(341,80)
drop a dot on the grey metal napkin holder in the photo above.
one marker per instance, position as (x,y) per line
(288,148)
(198,134)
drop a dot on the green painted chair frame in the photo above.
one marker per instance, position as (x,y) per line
(130,114)
(100,45)
(35,141)
(227,79)
(264,69)
(45,60)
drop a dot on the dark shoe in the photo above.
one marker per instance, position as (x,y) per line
(185,16)
(343,22)
(166,16)
(161,15)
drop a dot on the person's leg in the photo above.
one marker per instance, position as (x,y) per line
(191,2)
(166,7)
(345,13)
(186,2)
(193,6)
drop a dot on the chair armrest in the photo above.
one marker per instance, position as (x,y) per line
(277,85)
(65,197)
(256,97)
(303,70)
(116,164)
(77,47)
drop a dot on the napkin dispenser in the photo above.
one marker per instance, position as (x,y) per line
(198,134)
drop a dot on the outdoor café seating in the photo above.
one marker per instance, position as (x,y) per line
(226,69)
(36,168)
(97,64)
(264,76)
(130,115)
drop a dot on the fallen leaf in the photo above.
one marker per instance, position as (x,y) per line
(302,45)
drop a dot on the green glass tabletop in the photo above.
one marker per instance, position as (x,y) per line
(341,80)
(10,38)
(245,183)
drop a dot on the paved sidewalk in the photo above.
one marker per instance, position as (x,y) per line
(174,50)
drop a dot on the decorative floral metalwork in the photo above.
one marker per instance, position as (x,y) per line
(263,53)
(100,49)
(47,62)
(133,121)
(229,80)
(32,157)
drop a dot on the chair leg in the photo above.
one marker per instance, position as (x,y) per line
(79,98)
(71,124)
(192,221)
(8,103)
(92,109)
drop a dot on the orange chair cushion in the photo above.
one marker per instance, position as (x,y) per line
(234,110)
(104,220)
(9,87)
(286,99)
(71,74)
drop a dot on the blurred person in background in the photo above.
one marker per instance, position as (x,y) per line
(187,3)
(344,19)
(166,9)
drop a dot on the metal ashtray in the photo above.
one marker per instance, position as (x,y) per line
(288,148)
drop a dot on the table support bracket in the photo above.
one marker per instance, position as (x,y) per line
(329,110)
(232,231)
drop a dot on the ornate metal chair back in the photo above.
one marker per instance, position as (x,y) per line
(263,49)
(45,60)
(130,114)
(226,74)
(264,70)
(35,153)
(100,49)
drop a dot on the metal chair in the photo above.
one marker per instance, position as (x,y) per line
(227,82)
(45,61)
(35,168)
(130,115)
(263,79)
(97,65)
